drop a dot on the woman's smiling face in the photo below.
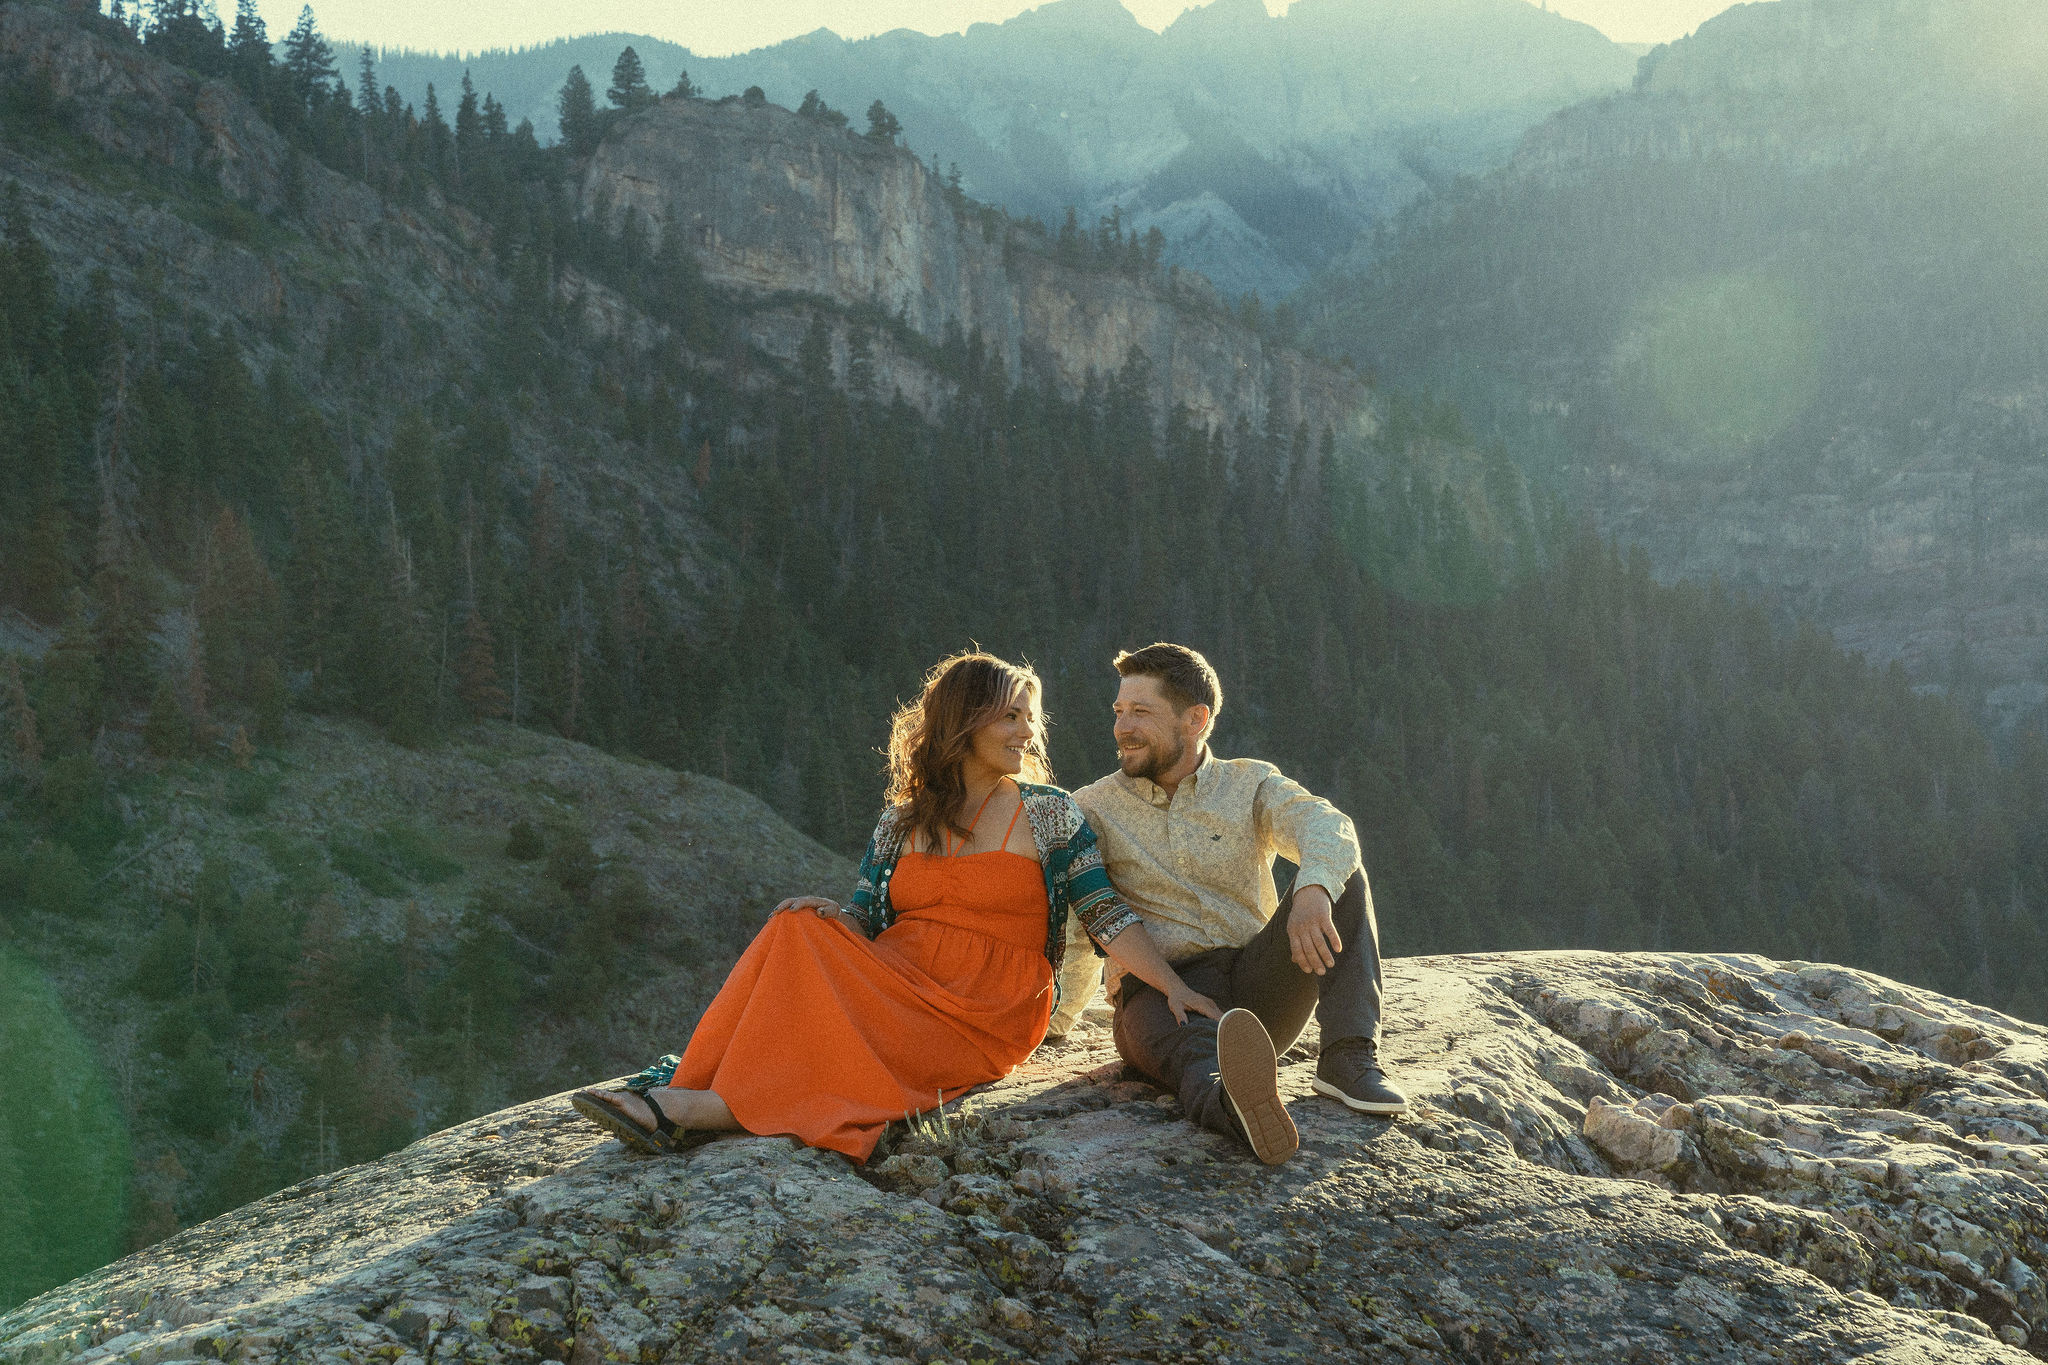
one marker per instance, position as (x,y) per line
(1001,744)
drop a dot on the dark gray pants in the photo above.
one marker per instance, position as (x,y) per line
(1261,977)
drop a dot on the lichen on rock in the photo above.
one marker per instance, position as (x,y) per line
(1610,1157)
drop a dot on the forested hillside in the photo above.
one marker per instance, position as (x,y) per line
(1779,314)
(414,518)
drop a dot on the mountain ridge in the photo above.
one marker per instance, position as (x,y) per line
(1324,98)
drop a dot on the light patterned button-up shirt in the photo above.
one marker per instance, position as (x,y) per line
(1197,866)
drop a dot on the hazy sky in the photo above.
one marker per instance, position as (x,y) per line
(720,27)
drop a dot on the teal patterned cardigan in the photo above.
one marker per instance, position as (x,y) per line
(1076,882)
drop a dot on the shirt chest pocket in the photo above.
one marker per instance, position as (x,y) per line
(1207,834)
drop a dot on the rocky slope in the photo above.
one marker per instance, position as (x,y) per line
(1640,1158)
(773,204)
(1774,315)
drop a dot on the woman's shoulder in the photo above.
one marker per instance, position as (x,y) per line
(890,824)
(1052,811)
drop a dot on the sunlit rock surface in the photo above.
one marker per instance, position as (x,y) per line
(1611,1157)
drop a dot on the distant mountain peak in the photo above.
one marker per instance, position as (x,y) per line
(1089,15)
(1219,15)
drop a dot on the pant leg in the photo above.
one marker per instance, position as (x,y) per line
(1345,1000)
(1181,1057)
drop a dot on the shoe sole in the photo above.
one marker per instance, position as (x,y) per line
(644,1140)
(1323,1087)
(1251,1082)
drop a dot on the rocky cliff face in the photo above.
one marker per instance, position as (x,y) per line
(1260,144)
(1611,1158)
(776,205)
(1763,315)
(144,111)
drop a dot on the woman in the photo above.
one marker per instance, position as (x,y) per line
(939,975)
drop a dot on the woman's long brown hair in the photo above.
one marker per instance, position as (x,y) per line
(930,737)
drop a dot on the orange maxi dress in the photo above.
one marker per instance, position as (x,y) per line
(821,1034)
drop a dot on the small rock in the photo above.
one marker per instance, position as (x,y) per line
(1014,1314)
(917,1172)
(1633,1140)
(2012,1334)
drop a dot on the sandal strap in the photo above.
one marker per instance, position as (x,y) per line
(663,1124)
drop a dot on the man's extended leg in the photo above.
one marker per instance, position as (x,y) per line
(1345,999)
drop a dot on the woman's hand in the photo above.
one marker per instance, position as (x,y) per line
(1183,1000)
(825,907)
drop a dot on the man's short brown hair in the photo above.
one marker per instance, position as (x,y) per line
(1185,677)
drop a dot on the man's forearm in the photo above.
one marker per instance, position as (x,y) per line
(1135,951)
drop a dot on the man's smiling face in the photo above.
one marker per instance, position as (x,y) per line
(1150,737)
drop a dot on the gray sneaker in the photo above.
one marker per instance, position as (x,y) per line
(1349,1072)
(1251,1086)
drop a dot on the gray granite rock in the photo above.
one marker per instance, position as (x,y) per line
(1610,1158)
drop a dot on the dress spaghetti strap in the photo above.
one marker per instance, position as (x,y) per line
(1013,822)
(973,824)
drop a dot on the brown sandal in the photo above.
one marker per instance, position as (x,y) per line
(655,1139)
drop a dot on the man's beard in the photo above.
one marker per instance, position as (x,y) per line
(1151,760)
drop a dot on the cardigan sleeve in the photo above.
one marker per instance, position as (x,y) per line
(1090,896)
(870,899)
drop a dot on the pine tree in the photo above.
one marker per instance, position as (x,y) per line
(882,125)
(629,90)
(367,102)
(249,55)
(308,60)
(27,744)
(815,109)
(476,670)
(237,607)
(168,730)
(440,142)
(578,110)
(469,130)
(682,89)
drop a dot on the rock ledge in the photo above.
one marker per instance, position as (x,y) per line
(1611,1157)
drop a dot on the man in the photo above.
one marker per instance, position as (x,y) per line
(1189,840)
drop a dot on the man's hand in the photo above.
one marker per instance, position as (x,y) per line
(1312,937)
(1183,1001)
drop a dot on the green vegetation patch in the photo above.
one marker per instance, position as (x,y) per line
(365,867)
(397,855)
(63,1148)
(414,855)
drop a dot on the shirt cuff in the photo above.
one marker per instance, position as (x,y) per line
(1326,876)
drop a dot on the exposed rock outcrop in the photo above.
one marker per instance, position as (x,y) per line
(1611,1157)
(773,204)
